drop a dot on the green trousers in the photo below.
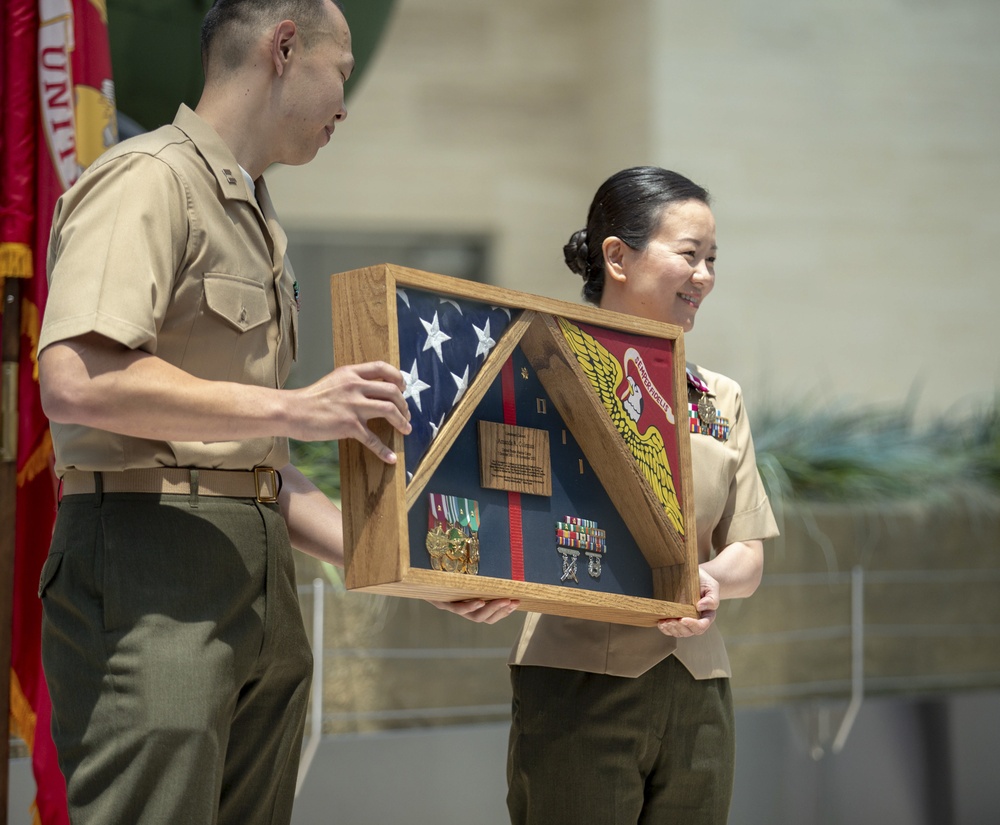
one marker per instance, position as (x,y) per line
(606,750)
(176,660)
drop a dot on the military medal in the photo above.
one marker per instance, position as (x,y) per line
(574,535)
(453,534)
(704,415)
(705,406)
(470,518)
(569,558)
(472,550)
(455,559)
(706,410)
(437,544)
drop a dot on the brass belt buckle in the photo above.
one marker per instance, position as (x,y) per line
(265,479)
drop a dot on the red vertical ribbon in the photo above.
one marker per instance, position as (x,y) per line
(513,498)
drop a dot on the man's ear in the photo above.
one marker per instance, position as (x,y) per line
(284,39)
(614,250)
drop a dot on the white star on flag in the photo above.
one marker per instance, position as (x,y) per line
(435,336)
(462,383)
(412,385)
(485,342)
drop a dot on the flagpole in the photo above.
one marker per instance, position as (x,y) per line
(8,507)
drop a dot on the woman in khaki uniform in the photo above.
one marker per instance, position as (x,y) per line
(620,724)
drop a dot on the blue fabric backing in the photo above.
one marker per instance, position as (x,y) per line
(624,569)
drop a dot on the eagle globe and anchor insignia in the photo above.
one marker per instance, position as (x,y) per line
(636,407)
(639,412)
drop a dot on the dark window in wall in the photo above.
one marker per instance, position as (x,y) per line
(316,255)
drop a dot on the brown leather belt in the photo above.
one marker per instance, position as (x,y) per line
(261,483)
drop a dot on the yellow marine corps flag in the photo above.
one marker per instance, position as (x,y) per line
(58,116)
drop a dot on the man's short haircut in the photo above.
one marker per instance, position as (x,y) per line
(231,26)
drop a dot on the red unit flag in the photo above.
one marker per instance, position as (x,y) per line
(58,116)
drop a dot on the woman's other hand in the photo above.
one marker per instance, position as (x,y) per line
(707,606)
(482,611)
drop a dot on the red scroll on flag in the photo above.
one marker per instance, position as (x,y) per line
(58,116)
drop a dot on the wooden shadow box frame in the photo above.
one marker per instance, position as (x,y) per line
(377,497)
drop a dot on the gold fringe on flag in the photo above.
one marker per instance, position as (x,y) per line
(22,717)
(37,462)
(22,723)
(31,328)
(15,260)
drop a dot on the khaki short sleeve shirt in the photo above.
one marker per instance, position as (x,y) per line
(160,246)
(730,505)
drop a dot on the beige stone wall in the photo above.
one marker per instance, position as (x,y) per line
(853,151)
(851,147)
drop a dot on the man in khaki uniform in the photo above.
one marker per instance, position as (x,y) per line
(172,642)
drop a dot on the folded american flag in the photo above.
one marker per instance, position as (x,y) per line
(443,343)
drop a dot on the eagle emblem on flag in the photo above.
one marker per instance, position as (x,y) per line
(636,408)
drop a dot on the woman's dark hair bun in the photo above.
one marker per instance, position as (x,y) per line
(575,253)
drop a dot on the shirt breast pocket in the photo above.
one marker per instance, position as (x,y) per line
(230,336)
(240,302)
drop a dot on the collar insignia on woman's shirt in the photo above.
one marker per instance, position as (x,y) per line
(703,415)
